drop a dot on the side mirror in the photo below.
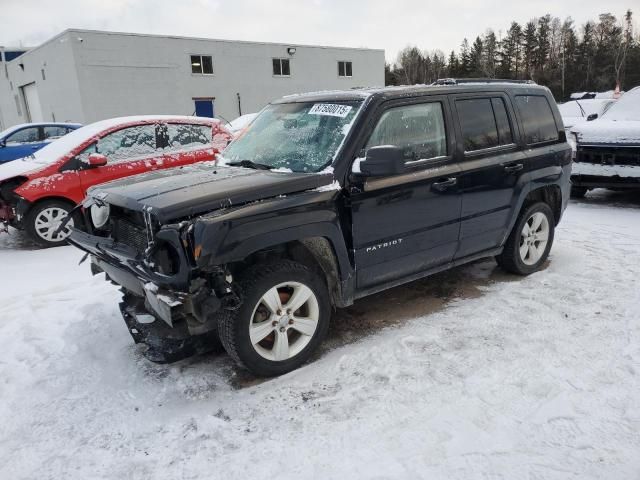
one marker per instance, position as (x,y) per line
(383,161)
(97,160)
(591,117)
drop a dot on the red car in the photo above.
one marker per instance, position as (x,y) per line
(37,192)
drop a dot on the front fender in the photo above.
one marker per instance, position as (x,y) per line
(232,235)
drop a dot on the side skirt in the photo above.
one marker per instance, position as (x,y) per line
(425,273)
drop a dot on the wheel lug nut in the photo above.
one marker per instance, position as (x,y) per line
(279,312)
(291,321)
(274,323)
(282,329)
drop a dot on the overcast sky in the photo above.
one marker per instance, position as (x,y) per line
(386,24)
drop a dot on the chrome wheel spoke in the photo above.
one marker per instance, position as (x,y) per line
(305,325)
(300,296)
(259,331)
(524,248)
(272,300)
(281,347)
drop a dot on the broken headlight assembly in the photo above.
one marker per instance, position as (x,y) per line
(100,214)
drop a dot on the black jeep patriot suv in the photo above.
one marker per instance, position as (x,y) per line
(326,198)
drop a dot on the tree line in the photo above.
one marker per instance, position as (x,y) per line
(596,56)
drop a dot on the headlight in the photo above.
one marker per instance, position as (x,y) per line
(99,214)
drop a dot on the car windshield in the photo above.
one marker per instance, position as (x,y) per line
(627,108)
(301,137)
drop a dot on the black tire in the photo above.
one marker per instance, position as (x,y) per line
(233,327)
(33,231)
(510,259)
(578,192)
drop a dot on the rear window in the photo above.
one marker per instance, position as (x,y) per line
(484,123)
(537,119)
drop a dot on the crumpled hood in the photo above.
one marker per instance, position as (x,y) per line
(18,167)
(181,192)
(608,131)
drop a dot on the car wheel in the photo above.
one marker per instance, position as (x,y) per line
(283,318)
(578,192)
(529,243)
(43,220)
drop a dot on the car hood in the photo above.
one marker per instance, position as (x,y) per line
(608,131)
(181,192)
(20,167)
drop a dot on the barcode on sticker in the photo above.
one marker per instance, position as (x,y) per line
(331,109)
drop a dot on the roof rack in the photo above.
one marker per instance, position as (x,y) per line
(461,81)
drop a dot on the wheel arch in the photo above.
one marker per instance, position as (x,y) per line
(316,252)
(549,194)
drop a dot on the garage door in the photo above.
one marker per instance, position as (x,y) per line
(32,101)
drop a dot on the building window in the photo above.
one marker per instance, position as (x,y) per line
(281,67)
(345,69)
(201,64)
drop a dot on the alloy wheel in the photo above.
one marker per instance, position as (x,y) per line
(284,321)
(534,238)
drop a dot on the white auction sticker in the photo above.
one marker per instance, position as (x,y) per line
(331,109)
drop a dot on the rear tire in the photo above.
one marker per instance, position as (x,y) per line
(44,218)
(283,318)
(530,241)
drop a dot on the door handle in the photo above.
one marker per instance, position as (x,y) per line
(445,183)
(516,167)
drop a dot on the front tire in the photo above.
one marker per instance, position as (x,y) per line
(42,221)
(283,318)
(529,243)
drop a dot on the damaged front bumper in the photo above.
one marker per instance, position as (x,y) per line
(173,315)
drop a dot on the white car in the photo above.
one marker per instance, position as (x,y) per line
(607,150)
(576,112)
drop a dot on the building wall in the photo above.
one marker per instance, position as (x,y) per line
(58,90)
(97,75)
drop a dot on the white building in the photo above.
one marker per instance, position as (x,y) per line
(84,76)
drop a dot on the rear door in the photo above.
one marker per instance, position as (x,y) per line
(185,144)
(493,168)
(545,148)
(408,223)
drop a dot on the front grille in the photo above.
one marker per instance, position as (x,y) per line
(609,155)
(126,232)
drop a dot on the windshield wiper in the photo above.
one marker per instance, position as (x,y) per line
(250,164)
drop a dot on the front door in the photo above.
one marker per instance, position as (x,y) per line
(405,224)
(21,143)
(493,170)
(129,151)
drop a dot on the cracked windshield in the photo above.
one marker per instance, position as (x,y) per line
(301,137)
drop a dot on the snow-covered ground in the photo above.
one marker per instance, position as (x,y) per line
(472,373)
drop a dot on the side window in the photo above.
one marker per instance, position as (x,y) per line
(502,121)
(183,136)
(128,143)
(53,132)
(537,119)
(26,135)
(484,123)
(418,129)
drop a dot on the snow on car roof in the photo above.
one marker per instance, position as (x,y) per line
(12,129)
(65,144)
(627,108)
